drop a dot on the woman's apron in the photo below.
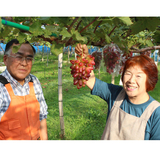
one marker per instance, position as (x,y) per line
(123,126)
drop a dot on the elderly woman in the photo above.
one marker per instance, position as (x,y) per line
(132,113)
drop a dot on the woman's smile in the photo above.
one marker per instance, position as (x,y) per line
(131,88)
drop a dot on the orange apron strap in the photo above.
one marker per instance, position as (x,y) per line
(31,88)
(9,89)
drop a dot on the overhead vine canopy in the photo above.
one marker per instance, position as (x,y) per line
(129,33)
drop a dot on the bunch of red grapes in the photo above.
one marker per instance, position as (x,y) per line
(81,69)
(125,56)
(98,57)
(111,57)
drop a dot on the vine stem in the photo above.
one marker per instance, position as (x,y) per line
(82,51)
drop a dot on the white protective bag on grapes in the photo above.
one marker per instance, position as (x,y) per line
(112,59)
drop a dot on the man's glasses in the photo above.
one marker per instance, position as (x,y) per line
(20,59)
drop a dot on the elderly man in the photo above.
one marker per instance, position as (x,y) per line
(23,110)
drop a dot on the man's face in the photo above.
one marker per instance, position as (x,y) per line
(19,69)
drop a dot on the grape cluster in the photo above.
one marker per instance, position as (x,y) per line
(124,57)
(81,69)
(98,57)
(111,55)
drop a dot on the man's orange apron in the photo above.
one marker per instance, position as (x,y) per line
(21,120)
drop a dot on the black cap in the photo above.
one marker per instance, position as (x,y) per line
(15,41)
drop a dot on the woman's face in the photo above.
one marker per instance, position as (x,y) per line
(134,83)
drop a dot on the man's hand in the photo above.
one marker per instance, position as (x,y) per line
(43,130)
(79,49)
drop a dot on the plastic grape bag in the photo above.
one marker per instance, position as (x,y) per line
(112,59)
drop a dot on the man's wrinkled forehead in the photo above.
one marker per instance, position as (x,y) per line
(24,49)
(15,42)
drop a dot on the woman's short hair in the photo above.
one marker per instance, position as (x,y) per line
(147,65)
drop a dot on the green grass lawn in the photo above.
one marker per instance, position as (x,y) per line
(84,115)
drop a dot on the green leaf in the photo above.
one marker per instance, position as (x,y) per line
(15,48)
(144,23)
(51,30)
(130,44)
(0,23)
(21,37)
(56,49)
(126,20)
(6,31)
(149,43)
(99,34)
(142,41)
(78,37)
(156,37)
(142,34)
(107,38)
(44,18)
(36,29)
(65,33)
(15,31)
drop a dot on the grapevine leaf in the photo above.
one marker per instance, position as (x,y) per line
(34,39)
(142,34)
(36,29)
(78,36)
(44,18)
(15,48)
(21,37)
(6,31)
(130,44)
(56,49)
(51,30)
(141,41)
(156,37)
(144,23)
(15,31)
(65,33)
(48,44)
(99,34)
(125,20)
(0,23)
(107,38)
(149,43)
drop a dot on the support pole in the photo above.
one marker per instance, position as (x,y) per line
(60,98)
(112,80)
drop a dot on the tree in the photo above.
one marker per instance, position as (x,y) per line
(126,32)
